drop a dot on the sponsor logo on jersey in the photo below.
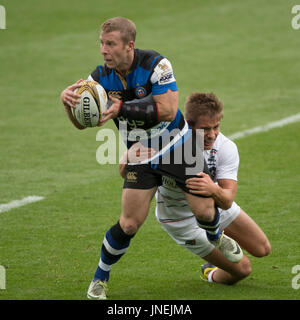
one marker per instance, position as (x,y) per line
(168,182)
(132,124)
(163,66)
(166,78)
(164,72)
(131,176)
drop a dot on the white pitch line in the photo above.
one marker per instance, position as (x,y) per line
(19,203)
(267,127)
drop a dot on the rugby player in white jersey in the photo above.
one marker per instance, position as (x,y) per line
(204,111)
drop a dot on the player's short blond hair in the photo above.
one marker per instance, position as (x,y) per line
(126,27)
(202,104)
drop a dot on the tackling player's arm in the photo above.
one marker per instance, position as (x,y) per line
(69,99)
(226,176)
(223,193)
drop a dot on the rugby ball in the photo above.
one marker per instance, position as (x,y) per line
(91,105)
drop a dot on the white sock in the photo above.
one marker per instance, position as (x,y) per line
(210,276)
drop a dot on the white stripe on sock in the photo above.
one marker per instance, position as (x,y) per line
(111,250)
(104,266)
(210,276)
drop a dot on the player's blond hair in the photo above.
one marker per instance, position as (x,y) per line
(202,104)
(126,27)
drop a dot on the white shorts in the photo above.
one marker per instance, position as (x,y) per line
(185,230)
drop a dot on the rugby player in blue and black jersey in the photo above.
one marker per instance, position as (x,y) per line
(143,94)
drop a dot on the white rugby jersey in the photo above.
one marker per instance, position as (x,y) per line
(223,163)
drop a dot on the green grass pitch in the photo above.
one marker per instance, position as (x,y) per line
(244,51)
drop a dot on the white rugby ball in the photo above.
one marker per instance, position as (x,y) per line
(91,105)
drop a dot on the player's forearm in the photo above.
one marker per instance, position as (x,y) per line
(150,109)
(223,197)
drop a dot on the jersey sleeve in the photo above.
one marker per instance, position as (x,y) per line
(228,162)
(163,78)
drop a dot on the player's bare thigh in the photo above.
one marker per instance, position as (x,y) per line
(249,235)
(135,207)
(202,208)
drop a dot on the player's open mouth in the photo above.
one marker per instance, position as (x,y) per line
(208,143)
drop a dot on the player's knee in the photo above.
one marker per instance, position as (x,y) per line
(204,213)
(267,248)
(204,216)
(246,270)
(263,249)
(129,226)
(202,208)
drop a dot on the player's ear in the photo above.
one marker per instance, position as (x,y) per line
(130,45)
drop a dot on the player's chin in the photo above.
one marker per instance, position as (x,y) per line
(208,145)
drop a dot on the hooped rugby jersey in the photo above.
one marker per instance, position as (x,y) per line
(150,73)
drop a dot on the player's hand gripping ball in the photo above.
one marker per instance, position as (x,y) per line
(91,105)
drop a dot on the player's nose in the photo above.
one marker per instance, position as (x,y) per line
(210,133)
(103,49)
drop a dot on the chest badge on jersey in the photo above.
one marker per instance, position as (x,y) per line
(140,92)
(212,163)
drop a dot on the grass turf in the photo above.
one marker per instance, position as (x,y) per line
(246,52)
